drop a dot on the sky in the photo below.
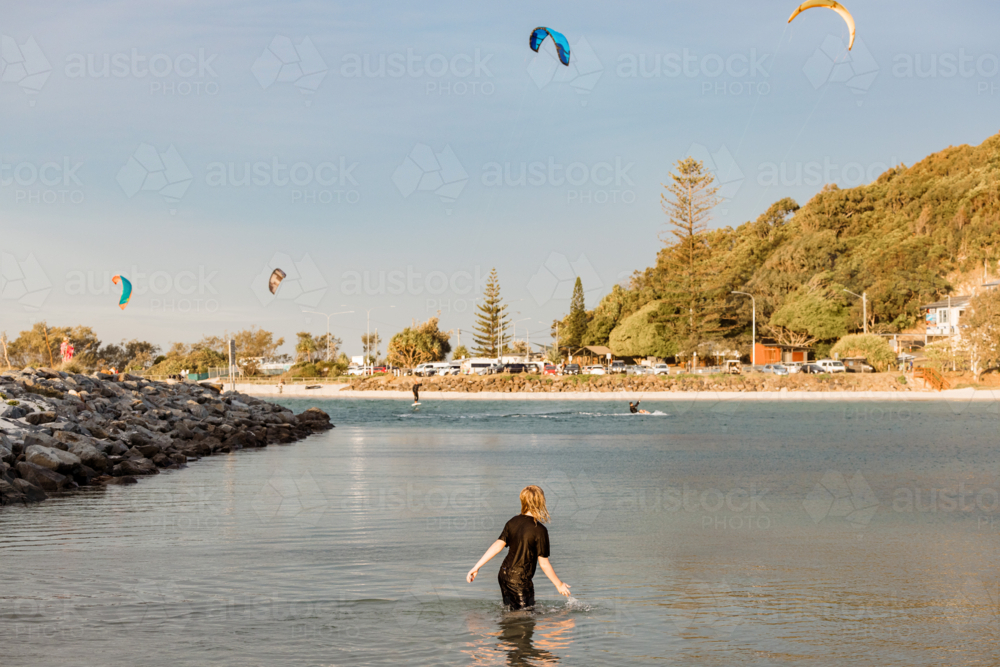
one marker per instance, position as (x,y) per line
(388,156)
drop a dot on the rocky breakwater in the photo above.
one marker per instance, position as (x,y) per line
(60,431)
(750,382)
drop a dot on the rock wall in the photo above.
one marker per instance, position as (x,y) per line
(60,431)
(639,383)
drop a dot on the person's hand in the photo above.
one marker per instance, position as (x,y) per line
(471,576)
(563,588)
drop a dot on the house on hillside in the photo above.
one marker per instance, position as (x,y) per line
(770,352)
(944,318)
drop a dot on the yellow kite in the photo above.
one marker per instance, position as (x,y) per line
(831,4)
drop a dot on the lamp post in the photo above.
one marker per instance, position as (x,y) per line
(368,336)
(327,316)
(513,331)
(753,330)
(864,308)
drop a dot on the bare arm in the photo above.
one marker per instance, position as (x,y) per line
(494,549)
(551,574)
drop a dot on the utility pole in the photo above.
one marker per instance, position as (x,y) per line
(753,321)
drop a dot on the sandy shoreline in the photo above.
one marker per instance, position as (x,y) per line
(341,391)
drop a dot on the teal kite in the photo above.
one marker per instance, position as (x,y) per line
(538,36)
(126,290)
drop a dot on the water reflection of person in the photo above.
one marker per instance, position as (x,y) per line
(517,631)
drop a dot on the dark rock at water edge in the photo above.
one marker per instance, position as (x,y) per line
(62,430)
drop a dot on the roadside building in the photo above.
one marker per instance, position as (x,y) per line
(593,355)
(771,352)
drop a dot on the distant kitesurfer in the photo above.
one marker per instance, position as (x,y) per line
(416,392)
(634,409)
(528,542)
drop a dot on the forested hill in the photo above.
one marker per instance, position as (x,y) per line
(912,236)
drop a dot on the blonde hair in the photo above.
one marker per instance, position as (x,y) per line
(533,502)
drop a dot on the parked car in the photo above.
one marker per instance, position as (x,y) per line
(776,369)
(858,366)
(595,370)
(571,369)
(812,369)
(661,369)
(635,370)
(355,370)
(550,369)
(617,367)
(515,368)
(832,365)
(454,368)
(792,366)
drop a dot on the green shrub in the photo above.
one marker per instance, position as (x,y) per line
(12,402)
(874,349)
(901,379)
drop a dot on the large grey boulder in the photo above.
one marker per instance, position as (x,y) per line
(38,418)
(48,480)
(89,455)
(44,440)
(9,495)
(6,449)
(53,459)
(32,493)
(134,467)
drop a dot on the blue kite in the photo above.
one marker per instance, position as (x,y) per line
(538,36)
(126,290)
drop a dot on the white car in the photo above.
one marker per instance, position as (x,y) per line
(792,366)
(594,370)
(355,370)
(832,365)
(660,369)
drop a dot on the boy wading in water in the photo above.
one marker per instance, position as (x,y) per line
(529,544)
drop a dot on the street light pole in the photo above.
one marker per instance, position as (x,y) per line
(368,336)
(327,316)
(864,308)
(753,320)
(513,332)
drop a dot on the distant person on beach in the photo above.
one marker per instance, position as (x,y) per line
(416,392)
(528,542)
(634,409)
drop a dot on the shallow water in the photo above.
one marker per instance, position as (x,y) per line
(713,534)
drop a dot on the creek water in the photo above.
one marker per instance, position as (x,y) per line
(709,533)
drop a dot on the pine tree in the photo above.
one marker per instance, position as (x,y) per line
(491,320)
(576,323)
(689,288)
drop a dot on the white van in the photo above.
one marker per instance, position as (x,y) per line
(479,366)
(832,365)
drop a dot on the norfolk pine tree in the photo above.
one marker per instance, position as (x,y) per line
(689,311)
(576,323)
(491,320)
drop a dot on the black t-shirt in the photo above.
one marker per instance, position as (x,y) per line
(527,541)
